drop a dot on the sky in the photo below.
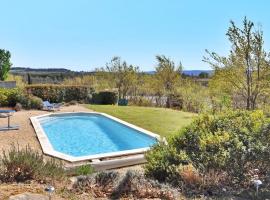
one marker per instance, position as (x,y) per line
(82,35)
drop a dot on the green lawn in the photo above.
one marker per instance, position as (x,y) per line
(158,120)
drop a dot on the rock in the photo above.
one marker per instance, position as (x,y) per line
(29,196)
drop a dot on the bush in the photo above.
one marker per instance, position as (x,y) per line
(129,185)
(140,101)
(26,164)
(9,97)
(31,102)
(60,93)
(233,143)
(105,98)
(35,102)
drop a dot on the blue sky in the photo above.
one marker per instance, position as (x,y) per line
(85,34)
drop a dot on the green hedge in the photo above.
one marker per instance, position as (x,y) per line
(105,98)
(233,143)
(61,93)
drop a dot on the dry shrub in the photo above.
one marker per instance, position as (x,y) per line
(131,185)
(20,165)
(190,175)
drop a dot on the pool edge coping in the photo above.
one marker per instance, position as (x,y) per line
(48,149)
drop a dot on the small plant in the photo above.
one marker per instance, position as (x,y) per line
(84,170)
(20,165)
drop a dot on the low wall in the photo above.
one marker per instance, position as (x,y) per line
(7,84)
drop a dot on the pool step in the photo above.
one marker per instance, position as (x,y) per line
(118,162)
(113,163)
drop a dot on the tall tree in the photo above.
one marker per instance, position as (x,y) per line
(168,75)
(122,75)
(246,71)
(5,64)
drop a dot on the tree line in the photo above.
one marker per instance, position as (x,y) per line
(240,80)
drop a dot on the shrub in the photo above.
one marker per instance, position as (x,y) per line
(141,101)
(26,164)
(129,185)
(9,97)
(30,102)
(105,97)
(163,161)
(35,102)
(60,93)
(233,143)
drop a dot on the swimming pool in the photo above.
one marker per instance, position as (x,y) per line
(89,135)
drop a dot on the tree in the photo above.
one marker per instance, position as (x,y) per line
(5,64)
(203,75)
(168,75)
(122,75)
(245,72)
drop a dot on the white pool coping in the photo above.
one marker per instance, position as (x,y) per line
(48,149)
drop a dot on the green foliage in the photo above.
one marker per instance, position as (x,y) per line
(234,142)
(35,102)
(60,93)
(140,101)
(192,96)
(105,98)
(168,75)
(9,97)
(163,161)
(121,75)
(5,64)
(26,164)
(83,170)
(244,73)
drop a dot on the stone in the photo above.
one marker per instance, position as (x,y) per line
(29,196)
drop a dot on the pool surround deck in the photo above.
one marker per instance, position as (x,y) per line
(49,150)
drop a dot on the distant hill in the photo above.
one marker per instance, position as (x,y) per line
(18,70)
(188,72)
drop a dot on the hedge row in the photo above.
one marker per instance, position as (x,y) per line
(10,97)
(105,97)
(61,93)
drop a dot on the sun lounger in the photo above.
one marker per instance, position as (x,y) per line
(7,114)
(51,106)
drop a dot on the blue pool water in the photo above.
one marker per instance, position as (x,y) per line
(89,134)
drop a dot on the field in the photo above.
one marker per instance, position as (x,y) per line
(158,120)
